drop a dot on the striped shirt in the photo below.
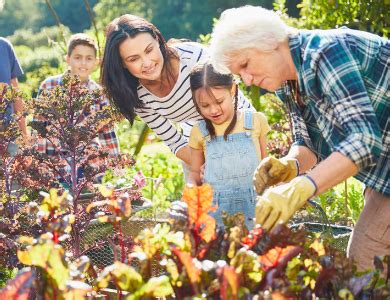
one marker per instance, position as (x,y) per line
(106,139)
(344,79)
(160,113)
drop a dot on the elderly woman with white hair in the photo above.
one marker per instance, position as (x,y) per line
(335,84)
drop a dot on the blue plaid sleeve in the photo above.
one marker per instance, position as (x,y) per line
(343,88)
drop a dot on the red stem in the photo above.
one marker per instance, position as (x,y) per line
(197,225)
(122,244)
(54,293)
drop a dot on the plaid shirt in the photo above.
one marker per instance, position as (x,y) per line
(344,81)
(107,138)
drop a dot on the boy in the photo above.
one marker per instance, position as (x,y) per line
(81,60)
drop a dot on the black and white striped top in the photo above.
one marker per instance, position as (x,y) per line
(160,113)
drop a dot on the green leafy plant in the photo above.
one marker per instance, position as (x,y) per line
(5,275)
(14,219)
(342,204)
(9,136)
(201,261)
(51,275)
(163,181)
(117,207)
(371,16)
(67,116)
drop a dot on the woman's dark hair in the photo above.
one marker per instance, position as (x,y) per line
(204,77)
(120,85)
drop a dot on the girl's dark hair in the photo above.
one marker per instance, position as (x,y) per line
(120,85)
(203,76)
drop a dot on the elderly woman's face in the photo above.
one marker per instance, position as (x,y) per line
(265,69)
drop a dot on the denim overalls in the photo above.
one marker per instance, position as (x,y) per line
(229,168)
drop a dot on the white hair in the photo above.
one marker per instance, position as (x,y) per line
(245,27)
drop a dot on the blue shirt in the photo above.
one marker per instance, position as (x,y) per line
(9,66)
(343,78)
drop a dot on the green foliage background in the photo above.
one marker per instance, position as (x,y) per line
(34,14)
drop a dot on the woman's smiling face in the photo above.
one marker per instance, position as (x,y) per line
(142,57)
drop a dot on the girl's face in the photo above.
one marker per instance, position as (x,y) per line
(218,106)
(142,57)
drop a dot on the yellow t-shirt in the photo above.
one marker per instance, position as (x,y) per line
(260,129)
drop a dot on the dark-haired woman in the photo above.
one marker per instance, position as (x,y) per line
(146,76)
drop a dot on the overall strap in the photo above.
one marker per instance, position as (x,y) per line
(248,119)
(203,128)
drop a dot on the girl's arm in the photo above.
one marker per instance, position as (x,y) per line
(263,146)
(197,160)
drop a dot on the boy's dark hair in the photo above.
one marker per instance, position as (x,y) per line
(81,39)
(203,76)
(119,83)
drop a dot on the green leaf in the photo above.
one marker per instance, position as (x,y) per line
(155,287)
(76,290)
(124,276)
(172,270)
(49,257)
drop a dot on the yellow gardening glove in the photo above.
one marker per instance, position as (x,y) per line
(272,171)
(278,204)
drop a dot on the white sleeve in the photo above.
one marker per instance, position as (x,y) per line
(244,103)
(163,128)
(187,126)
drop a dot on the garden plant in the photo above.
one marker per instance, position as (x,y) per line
(77,165)
(197,259)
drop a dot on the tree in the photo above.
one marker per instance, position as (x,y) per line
(367,15)
(175,18)
(35,14)
(72,13)
(189,19)
(107,10)
(18,14)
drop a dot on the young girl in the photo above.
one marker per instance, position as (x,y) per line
(230,143)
